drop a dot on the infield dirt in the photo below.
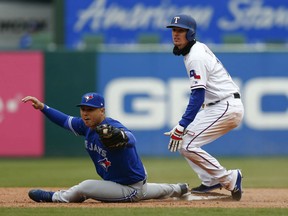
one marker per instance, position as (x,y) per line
(252,198)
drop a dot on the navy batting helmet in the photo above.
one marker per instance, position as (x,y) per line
(186,22)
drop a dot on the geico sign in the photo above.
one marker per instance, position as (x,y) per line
(152,103)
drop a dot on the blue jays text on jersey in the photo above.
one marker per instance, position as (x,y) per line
(95,147)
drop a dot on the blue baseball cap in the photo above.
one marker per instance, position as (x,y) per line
(92,99)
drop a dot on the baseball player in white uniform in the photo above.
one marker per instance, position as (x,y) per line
(214,108)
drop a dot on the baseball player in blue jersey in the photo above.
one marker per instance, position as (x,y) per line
(214,108)
(111,147)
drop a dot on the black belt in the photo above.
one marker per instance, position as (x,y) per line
(236,95)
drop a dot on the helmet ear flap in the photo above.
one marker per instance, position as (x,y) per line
(190,35)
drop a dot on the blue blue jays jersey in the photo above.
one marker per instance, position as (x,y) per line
(122,166)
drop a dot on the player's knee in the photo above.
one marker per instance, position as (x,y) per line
(189,153)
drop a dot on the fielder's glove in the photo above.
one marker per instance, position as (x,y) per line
(112,137)
(176,140)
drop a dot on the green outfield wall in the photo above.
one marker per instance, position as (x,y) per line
(68,75)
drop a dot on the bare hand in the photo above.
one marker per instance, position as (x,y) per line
(35,102)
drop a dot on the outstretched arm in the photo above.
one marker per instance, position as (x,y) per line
(73,124)
(35,102)
(53,115)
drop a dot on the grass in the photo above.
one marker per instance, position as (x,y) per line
(141,211)
(65,172)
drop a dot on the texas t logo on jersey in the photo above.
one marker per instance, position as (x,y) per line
(193,74)
(88,97)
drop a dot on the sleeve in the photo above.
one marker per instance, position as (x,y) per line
(132,139)
(197,74)
(55,116)
(63,120)
(195,102)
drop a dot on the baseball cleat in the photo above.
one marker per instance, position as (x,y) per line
(184,188)
(237,191)
(204,189)
(41,195)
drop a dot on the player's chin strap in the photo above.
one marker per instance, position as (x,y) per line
(185,50)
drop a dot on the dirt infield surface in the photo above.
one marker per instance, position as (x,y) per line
(252,198)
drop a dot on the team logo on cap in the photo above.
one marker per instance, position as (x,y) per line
(176,19)
(88,97)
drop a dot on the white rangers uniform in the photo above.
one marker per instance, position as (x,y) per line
(223,111)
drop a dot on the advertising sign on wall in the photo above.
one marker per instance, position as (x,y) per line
(149,93)
(25,24)
(20,125)
(114,21)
